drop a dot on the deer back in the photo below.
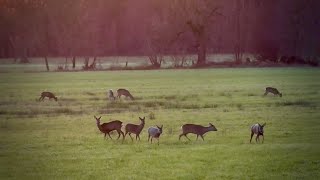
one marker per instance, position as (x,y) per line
(123,91)
(272,90)
(193,128)
(197,129)
(48,94)
(257,129)
(113,125)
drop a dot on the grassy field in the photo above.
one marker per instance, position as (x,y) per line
(60,140)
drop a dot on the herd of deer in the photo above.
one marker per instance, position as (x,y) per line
(155,132)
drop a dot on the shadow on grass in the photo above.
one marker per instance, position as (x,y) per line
(301,103)
(35,112)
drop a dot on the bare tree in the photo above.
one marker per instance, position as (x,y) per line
(196,16)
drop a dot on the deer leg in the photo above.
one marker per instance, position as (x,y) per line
(180,136)
(119,131)
(118,134)
(251,136)
(109,136)
(187,137)
(130,136)
(197,137)
(262,138)
(265,93)
(138,136)
(125,134)
(202,137)
(151,139)
(257,137)
(148,137)
(105,134)
(158,141)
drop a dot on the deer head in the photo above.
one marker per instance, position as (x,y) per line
(160,128)
(97,119)
(142,119)
(261,128)
(212,127)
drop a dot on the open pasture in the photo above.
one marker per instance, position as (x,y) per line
(60,140)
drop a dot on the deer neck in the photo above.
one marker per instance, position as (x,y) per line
(141,126)
(99,126)
(207,129)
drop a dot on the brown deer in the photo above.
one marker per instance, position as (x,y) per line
(125,93)
(50,95)
(258,130)
(135,129)
(196,129)
(106,128)
(272,90)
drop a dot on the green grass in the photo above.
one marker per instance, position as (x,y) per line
(60,140)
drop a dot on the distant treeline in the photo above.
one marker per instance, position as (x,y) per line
(155,27)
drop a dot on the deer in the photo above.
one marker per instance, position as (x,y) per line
(50,95)
(125,93)
(258,130)
(111,95)
(196,129)
(272,90)
(106,128)
(155,132)
(135,129)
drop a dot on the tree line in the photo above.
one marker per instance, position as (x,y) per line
(267,28)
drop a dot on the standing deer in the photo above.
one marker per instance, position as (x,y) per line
(196,129)
(125,93)
(50,95)
(135,129)
(106,128)
(258,130)
(272,90)
(111,95)
(154,132)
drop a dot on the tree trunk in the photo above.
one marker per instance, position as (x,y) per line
(237,46)
(66,63)
(74,62)
(202,50)
(47,65)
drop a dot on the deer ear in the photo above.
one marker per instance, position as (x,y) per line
(210,124)
(264,124)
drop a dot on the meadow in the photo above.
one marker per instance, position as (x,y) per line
(60,140)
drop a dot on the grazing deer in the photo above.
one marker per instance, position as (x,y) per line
(154,132)
(196,129)
(135,129)
(111,95)
(125,93)
(50,95)
(258,130)
(106,128)
(272,90)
